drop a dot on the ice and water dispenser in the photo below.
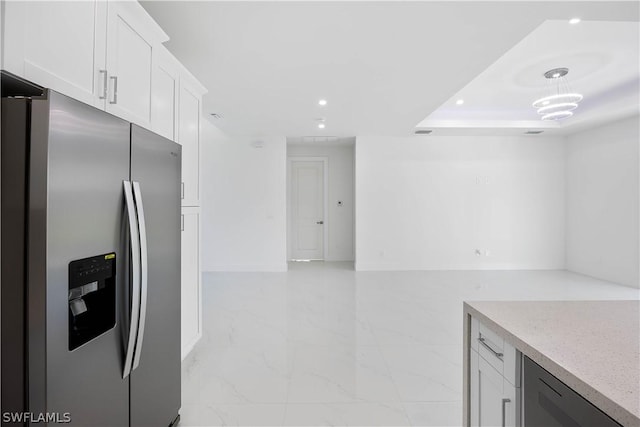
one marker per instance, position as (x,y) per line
(92,298)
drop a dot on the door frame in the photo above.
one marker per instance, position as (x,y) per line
(325,201)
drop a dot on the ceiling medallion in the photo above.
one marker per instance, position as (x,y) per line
(559,101)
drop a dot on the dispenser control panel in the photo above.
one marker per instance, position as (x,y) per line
(92,298)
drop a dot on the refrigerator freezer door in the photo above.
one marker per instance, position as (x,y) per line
(155,382)
(14,169)
(79,159)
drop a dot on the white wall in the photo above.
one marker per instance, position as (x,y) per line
(429,202)
(602,202)
(243,203)
(341,187)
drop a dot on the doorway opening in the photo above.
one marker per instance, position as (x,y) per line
(320,199)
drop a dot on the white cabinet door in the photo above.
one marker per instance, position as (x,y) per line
(129,52)
(510,398)
(191,288)
(491,386)
(164,93)
(189,138)
(59,45)
(474,392)
(493,398)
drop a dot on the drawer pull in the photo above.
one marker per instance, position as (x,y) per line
(115,90)
(104,84)
(495,353)
(504,411)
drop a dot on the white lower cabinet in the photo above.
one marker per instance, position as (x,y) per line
(189,113)
(494,399)
(191,305)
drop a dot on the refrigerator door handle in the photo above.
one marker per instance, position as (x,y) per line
(142,229)
(135,285)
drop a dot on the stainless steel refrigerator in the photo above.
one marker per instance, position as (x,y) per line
(90,267)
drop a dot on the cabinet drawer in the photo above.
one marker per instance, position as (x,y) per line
(496,351)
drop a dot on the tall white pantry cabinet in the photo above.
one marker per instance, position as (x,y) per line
(109,54)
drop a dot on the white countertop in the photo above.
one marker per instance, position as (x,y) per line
(592,346)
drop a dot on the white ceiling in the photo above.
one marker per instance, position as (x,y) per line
(382,66)
(603,59)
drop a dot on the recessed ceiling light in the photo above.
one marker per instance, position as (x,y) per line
(320,125)
(460,102)
(574,21)
(322,102)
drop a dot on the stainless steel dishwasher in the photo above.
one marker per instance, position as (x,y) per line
(548,402)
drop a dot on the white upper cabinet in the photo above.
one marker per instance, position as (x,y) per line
(164,93)
(189,112)
(99,52)
(132,37)
(60,45)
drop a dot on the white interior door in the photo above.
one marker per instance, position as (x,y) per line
(307,209)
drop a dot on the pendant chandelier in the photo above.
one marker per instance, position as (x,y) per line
(559,101)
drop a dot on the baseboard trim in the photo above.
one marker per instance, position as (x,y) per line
(250,268)
(404,267)
(190,346)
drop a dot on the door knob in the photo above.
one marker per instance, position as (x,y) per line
(320,222)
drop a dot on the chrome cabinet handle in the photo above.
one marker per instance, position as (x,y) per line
(182,190)
(144,278)
(320,222)
(114,100)
(135,280)
(182,222)
(504,411)
(483,341)
(104,84)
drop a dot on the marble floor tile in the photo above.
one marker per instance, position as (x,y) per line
(340,374)
(426,373)
(341,414)
(246,328)
(233,415)
(324,345)
(239,375)
(243,415)
(434,414)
